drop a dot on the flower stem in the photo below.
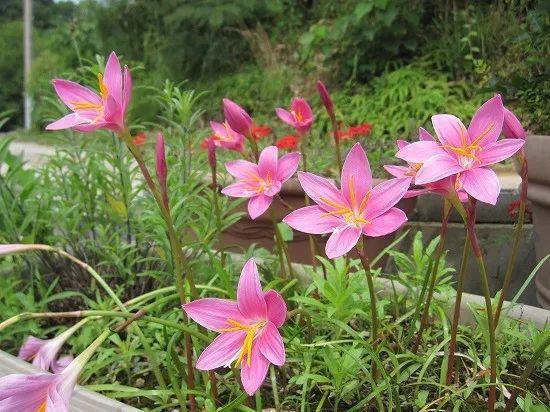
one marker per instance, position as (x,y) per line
(180,264)
(517,238)
(539,351)
(470,226)
(372,294)
(433,275)
(456,313)
(336,141)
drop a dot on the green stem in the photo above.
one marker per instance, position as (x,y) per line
(274,387)
(517,238)
(456,313)
(101,313)
(373,311)
(336,141)
(177,256)
(470,226)
(433,275)
(528,369)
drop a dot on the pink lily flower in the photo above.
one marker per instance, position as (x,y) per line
(300,116)
(467,153)
(248,329)
(357,208)
(92,111)
(445,187)
(512,128)
(42,392)
(225,137)
(43,353)
(325,97)
(261,182)
(237,118)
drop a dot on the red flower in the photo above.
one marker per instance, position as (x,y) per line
(140,138)
(363,129)
(260,131)
(288,142)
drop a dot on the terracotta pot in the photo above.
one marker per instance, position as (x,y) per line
(538,159)
(246,232)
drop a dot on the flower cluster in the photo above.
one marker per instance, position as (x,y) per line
(456,164)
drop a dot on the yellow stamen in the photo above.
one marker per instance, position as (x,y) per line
(351,191)
(102,86)
(484,133)
(251,331)
(42,408)
(86,106)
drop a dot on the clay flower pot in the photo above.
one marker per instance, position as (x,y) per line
(538,159)
(246,231)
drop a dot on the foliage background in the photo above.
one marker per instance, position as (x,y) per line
(392,63)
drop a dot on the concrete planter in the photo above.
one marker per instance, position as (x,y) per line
(537,151)
(246,231)
(83,400)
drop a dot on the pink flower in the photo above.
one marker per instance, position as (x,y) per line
(355,209)
(300,116)
(445,187)
(248,328)
(325,97)
(43,353)
(466,153)
(225,137)
(512,128)
(90,110)
(260,182)
(39,392)
(237,118)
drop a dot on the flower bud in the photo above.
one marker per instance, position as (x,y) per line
(325,97)
(238,119)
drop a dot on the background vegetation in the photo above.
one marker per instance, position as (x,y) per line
(392,63)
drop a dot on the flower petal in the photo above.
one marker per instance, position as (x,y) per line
(436,168)
(386,195)
(242,169)
(481,183)
(61,363)
(512,128)
(271,344)
(113,78)
(499,151)
(71,93)
(423,134)
(285,116)
(486,125)
(356,179)
(67,122)
(254,375)
(240,189)
(213,313)
(397,171)
(288,164)
(222,351)
(342,240)
(276,307)
(250,298)
(257,205)
(386,223)
(419,152)
(127,88)
(267,162)
(322,191)
(30,347)
(450,130)
(312,219)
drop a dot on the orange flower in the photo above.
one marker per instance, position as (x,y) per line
(260,131)
(289,142)
(140,138)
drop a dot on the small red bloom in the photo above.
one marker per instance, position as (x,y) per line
(363,129)
(140,138)
(260,131)
(288,142)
